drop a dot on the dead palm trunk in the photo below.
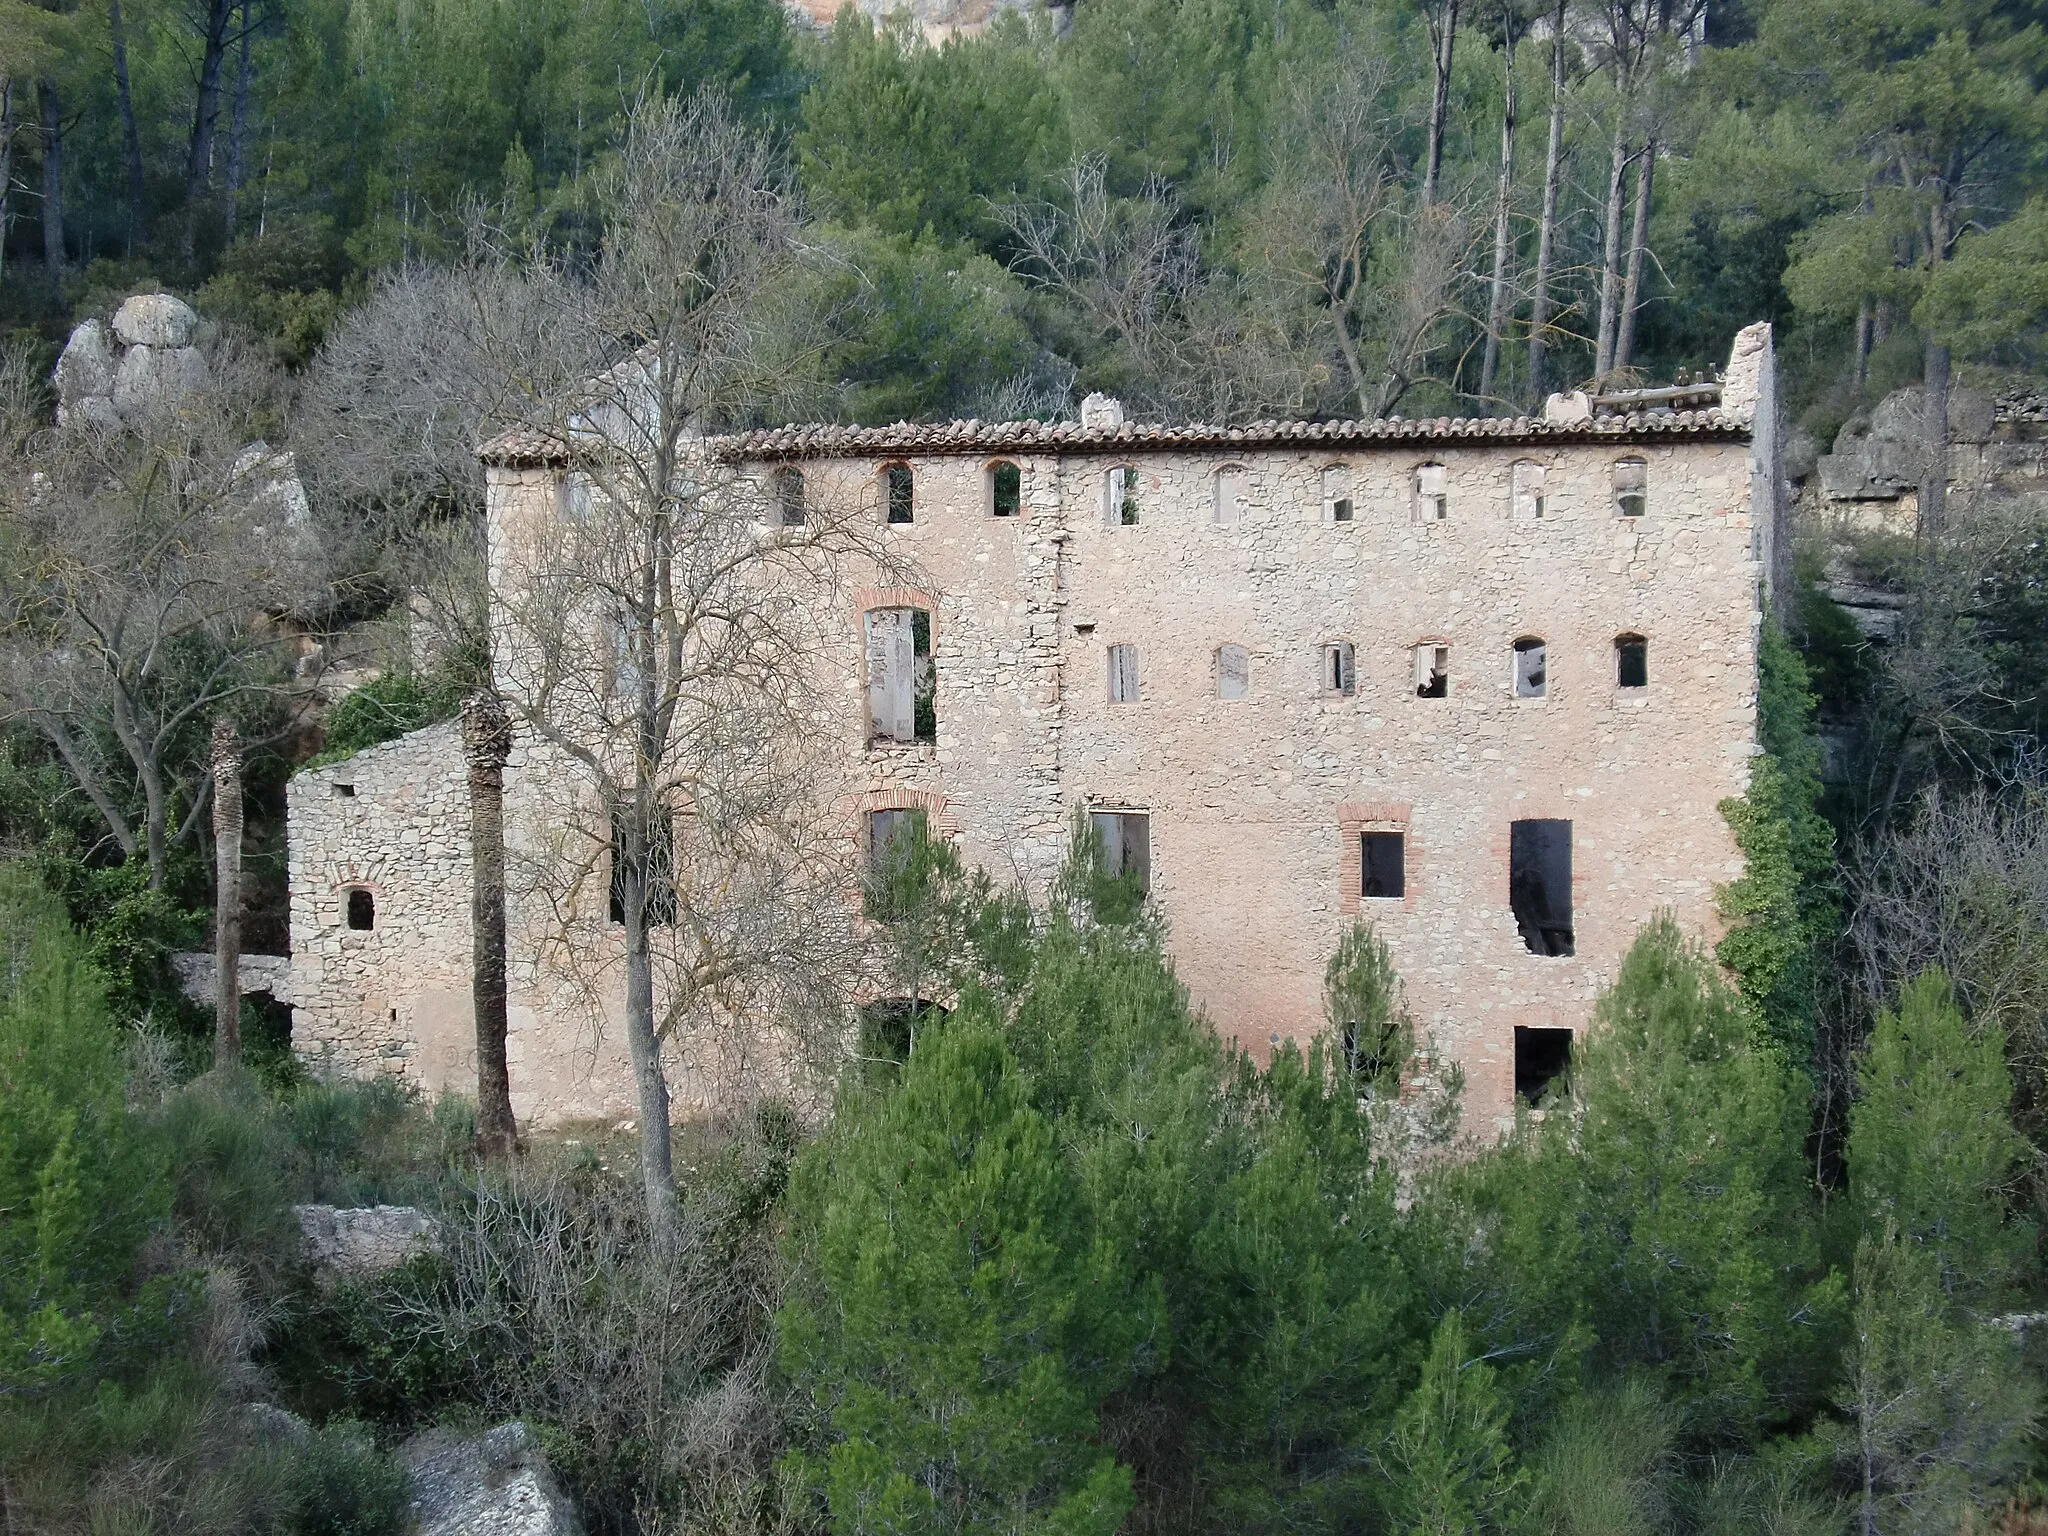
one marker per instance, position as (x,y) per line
(1443,37)
(486,743)
(227,895)
(53,182)
(1546,229)
(1497,305)
(1638,241)
(1610,249)
(131,139)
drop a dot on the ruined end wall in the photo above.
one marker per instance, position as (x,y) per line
(392,999)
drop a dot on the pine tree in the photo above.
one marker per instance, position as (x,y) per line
(1453,1471)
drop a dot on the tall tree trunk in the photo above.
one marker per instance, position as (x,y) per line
(1610,251)
(1443,37)
(199,159)
(53,183)
(1861,369)
(1497,304)
(241,117)
(1638,246)
(6,163)
(227,894)
(131,140)
(633,849)
(1553,161)
(1934,426)
(487,741)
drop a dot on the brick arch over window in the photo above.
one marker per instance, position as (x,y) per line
(1355,818)
(939,817)
(867,599)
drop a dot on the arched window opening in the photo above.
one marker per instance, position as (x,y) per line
(898,490)
(1631,487)
(1120,497)
(1526,480)
(1432,493)
(1337,493)
(1005,488)
(1532,676)
(789,497)
(1233,672)
(362,909)
(1230,486)
(902,680)
(1340,668)
(1631,661)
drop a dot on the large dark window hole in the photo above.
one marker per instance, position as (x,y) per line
(362,909)
(1542,1057)
(1540,884)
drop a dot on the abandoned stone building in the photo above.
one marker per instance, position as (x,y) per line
(1483,682)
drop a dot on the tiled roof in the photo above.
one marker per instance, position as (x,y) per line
(527,446)
(973,437)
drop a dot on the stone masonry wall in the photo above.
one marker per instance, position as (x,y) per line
(1255,804)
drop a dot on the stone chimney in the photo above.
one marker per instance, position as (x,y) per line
(1102,411)
(1743,387)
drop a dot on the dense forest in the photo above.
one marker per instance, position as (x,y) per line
(1051,1257)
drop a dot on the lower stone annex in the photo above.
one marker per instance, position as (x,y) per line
(1483,682)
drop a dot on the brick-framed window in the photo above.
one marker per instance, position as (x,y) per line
(1378,851)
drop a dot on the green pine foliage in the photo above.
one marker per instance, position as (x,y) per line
(1932,1151)
(1784,908)
(80,1181)
(1453,1471)
(974,1315)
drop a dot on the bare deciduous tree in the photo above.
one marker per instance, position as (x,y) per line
(660,641)
(227,893)
(141,581)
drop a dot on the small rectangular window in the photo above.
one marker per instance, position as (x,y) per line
(890,833)
(1532,673)
(1006,489)
(902,680)
(1540,884)
(1230,495)
(1542,1056)
(362,909)
(660,899)
(1123,674)
(1340,668)
(573,498)
(1382,864)
(1432,493)
(1631,661)
(344,791)
(1120,497)
(900,489)
(1432,671)
(1337,494)
(1126,838)
(1233,672)
(1527,489)
(789,497)
(1631,487)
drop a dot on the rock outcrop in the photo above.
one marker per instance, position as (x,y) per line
(354,1244)
(1883,456)
(112,376)
(494,1484)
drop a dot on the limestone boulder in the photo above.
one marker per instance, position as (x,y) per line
(494,1484)
(1884,455)
(86,367)
(155,320)
(356,1243)
(152,378)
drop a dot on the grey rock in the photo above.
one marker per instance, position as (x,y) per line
(1881,457)
(1801,456)
(494,1484)
(363,1241)
(268,1424)
(87,365)
(155,320)
(89,410)
(152,377)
